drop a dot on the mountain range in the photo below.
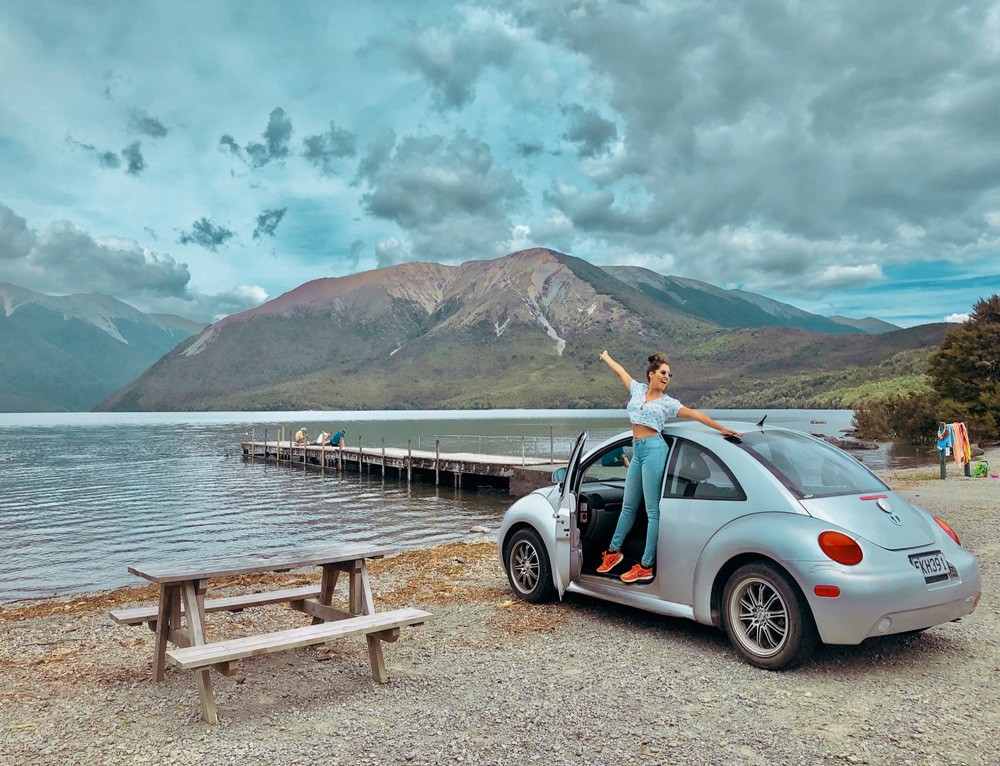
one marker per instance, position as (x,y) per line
(524,330)
(67,353)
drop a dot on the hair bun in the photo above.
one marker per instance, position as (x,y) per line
(657,359)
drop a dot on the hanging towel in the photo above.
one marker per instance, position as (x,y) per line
(963,450)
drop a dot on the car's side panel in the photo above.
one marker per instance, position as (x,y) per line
(780,536)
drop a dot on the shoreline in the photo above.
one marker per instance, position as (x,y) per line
(490,679)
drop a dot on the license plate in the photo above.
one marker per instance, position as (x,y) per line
(933,566)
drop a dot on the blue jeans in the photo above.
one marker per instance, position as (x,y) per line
(644,477)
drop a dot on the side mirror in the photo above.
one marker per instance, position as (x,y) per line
(558,475)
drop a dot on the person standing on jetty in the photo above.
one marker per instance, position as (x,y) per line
(649,409)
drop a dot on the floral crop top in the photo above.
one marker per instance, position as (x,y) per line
(654,414)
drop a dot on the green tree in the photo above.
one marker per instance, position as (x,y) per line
(965,371)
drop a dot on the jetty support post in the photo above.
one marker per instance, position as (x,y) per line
(360,453)
(322,458)
(437,461)
(265,446)
(409,461)
(383,457)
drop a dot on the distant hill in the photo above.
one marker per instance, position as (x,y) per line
(524,330)
(67,353)
(727,308)
(868,324)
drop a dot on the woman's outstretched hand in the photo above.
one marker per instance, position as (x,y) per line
(604,356)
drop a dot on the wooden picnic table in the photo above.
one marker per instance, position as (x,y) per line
(179,617)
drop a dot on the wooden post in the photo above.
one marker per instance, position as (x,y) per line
(409,461)
(265,446)
(322,458)
(360,437)
(522,451)
(437,461)
(944,470)
(383,457)
(193,593)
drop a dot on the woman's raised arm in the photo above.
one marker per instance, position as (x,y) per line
(619,370)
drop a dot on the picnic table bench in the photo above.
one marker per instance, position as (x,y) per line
(179,617)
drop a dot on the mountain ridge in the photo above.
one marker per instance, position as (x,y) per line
(523,330)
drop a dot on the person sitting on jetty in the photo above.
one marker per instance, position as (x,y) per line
(302,436)
(323,438)
(337,440)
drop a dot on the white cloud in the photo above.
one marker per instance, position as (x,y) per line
(957,318)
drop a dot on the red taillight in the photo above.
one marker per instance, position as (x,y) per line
(949,530)
(840,548)
(827,591)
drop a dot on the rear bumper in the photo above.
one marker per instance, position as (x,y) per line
(885,595)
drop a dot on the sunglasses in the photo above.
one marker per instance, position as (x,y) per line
(668,374)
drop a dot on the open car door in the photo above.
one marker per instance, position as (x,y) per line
(569,556)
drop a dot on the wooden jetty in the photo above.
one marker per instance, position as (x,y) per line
(518,474)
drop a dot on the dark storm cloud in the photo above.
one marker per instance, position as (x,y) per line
(230,143)
(449,195)
(321,150)
(16,239)
(135,163)
(268,221)
(774,136)
(64,258)
(207,234)
(278,134)
(451,59)
(379,151)
(109,160)
(529,148)
(146,124)
(277,137)
(585,127)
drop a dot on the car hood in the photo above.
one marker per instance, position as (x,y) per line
(883,518)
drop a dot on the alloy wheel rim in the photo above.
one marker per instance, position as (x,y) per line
(524,566)
(759,617)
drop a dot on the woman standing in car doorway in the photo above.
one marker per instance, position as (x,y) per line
(649,409)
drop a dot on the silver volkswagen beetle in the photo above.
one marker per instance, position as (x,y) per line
(779,538)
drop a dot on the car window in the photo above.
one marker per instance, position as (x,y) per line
(810,467)
(609,465)
(696,473)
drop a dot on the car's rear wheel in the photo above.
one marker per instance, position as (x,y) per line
(528,567)
(767,619)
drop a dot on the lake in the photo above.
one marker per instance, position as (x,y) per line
(85,495)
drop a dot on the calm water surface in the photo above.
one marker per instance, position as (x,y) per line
(85,495)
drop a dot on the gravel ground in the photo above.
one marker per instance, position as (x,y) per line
(491,680)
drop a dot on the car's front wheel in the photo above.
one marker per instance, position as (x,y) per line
(767,618)
(528,567)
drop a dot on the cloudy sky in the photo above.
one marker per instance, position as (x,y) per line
(199,157)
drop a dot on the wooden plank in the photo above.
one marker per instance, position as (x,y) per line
(142,614)
(194,602)
(329,583)
(256,563)
(194,657)
(165,611)
(375,655)
(321,612)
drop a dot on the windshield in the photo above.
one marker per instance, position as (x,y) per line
(809,467)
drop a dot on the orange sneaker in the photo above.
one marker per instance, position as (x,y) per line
(609,560)
(638,573)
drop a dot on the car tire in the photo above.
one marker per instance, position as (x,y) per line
(767,619)
(528,568)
